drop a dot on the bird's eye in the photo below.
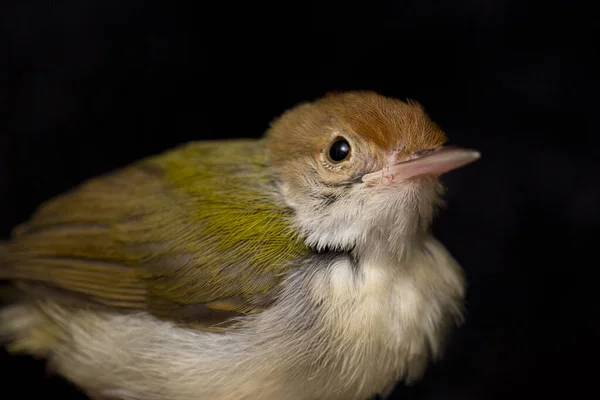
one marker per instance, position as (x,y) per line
(339,150)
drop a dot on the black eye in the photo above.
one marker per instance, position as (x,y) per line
(339,150)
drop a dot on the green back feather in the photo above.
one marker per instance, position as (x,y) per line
(187,234)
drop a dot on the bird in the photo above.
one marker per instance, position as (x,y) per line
(297,265)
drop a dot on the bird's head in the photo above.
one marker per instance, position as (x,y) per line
(357,165)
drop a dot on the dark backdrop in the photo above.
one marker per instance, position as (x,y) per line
(88,86)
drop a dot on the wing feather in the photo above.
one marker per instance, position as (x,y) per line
(194,234)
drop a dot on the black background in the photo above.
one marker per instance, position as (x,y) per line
(89,86)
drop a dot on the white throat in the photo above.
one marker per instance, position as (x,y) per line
(367,220)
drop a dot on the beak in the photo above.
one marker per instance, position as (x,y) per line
(434,162)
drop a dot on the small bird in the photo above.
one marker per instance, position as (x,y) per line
(296,266)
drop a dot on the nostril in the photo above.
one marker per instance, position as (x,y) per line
(423,152)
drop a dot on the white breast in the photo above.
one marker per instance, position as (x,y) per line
(391,316)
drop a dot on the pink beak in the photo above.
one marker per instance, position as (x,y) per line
(435,163)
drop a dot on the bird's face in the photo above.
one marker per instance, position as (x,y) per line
(358,164)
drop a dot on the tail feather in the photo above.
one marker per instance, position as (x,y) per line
(14,319)
(25,330)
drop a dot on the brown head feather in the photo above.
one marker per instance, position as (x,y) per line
(381,128)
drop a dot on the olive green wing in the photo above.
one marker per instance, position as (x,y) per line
(193,235)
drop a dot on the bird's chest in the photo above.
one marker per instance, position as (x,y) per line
(381,303)
(384,316)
